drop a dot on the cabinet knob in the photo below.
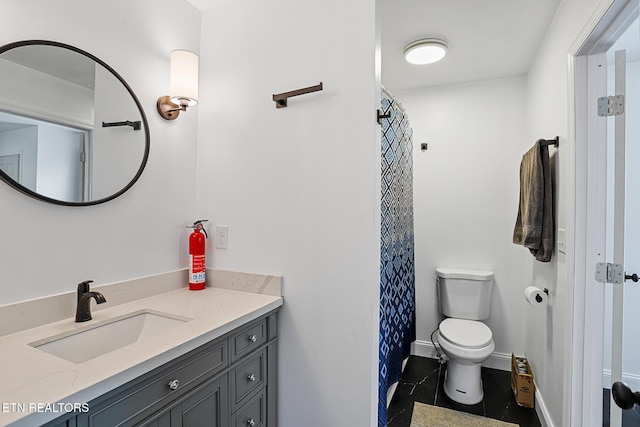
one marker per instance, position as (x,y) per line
(253,338)
(251,422)
(251,377)
(173,384)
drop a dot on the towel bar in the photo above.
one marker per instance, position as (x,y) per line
(281,98)
(555,141)
(135,125)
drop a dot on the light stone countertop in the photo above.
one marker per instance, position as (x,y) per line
(31,378)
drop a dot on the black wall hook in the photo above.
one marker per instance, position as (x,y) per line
(381,116)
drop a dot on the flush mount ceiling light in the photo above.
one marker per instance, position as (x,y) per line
(425,51)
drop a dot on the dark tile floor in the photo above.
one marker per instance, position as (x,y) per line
(422,382)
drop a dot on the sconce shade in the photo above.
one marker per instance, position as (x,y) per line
(183,84)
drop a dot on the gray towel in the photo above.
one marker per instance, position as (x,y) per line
(534,225)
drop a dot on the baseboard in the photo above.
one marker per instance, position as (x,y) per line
(632,380)
(541,410)
(500,361)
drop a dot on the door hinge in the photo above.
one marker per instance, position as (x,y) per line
(609,273)
(610,105)
(83,157)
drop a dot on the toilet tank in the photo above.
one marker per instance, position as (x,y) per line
(464,294)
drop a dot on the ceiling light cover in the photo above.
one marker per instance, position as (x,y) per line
(425,51)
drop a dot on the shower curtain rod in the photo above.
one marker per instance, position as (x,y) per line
(390,95)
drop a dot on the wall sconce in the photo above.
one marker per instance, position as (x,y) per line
(183,85)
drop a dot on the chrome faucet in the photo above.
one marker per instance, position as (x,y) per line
(83,310)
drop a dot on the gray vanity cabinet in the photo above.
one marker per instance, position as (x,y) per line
(71,422)
(205,406)
(229,382)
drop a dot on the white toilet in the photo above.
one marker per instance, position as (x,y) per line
(464,298)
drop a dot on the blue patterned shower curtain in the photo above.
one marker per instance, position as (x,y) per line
(397,271)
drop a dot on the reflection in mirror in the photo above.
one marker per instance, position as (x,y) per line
(72,131)
(44,157)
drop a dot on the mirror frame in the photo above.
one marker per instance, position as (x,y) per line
(41,197)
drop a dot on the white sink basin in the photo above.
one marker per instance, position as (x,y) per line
(96,339)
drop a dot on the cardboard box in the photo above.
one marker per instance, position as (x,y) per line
(522,381)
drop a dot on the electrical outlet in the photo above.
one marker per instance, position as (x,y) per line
(222,237)
(561,241)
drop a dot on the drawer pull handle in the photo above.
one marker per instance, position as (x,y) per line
(251,422)
(251,377)
(253,338)
(173,385)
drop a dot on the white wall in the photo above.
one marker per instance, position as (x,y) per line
(114,148)
(47,249)
(548,337)
(466,195)
(546,332)
(254,160)
(38,95)
(299,188)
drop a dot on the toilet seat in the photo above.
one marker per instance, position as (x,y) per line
(466,333)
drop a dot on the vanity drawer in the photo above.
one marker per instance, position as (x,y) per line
(135,399)
(253,413)
(248,339)
(248,376)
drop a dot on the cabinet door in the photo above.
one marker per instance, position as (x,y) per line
(206,406)
(162,420)
(249,375)
(135,401)
(71,422)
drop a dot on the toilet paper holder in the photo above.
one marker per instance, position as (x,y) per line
(539,298)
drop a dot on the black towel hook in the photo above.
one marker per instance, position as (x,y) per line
(555,141)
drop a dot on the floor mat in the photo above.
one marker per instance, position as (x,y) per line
(435,416)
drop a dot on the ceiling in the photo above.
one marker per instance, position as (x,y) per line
(208,4)
(487,38)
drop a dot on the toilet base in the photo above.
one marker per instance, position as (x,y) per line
(463,383)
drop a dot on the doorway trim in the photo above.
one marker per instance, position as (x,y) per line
(583,354)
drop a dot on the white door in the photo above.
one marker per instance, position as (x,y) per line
(10,164)
(605,316)
(614,252)
(621,361)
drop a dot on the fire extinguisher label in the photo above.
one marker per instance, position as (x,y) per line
(196,269)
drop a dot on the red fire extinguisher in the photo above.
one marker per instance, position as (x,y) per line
(197,256)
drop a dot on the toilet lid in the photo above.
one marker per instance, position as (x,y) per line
(466,333)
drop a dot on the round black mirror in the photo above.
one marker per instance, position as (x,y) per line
(72,131)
